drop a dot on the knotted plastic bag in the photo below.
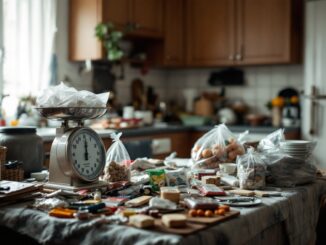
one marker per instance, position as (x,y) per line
(271,143)
(218,145)
(117,167)
(64,96)
(284,170)
(251,170)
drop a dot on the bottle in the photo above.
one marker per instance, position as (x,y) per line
(97,195)
(276,116)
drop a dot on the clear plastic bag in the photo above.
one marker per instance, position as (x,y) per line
(217,146)
(287,171)
(251,170)
(176,177)
(117,167)
(271,143)
(64,96)
(284,170)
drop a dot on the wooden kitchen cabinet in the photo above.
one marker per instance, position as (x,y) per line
(117,12)
(210,32)
(144,17)
(147,19)
(268,32)
(83,17)
(243,32)
(170,52)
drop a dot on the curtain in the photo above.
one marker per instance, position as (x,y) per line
(29,32)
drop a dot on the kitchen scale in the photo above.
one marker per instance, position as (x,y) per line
(77,156)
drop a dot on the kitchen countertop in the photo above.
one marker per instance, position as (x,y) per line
(48,134)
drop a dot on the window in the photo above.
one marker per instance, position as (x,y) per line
(28,37)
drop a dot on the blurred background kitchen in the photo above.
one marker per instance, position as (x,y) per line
(37,35)
(193,63)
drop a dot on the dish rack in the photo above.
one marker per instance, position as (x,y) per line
(16,174)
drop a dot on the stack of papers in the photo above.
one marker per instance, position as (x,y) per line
(14,190)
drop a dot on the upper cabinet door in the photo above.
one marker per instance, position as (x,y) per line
(267,31)
(117,12)
(210,32)
(147,17)
(173,33)
(83,17)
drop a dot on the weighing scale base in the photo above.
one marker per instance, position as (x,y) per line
(92,186)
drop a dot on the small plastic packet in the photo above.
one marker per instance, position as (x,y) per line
(176,177)
(46,204)
(160,203)
(201,203)
(156,178)
(117,167)
(211,190)
(251,170)
(217,146)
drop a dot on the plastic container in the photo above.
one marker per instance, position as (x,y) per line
(193,120)
(25,145)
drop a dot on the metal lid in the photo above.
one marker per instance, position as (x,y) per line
(17,130)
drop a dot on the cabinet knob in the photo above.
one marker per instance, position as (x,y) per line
(231,57)
(238,57)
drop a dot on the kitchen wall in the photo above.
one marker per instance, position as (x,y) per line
(262,83)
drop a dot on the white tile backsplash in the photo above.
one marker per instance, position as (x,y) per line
(262,83)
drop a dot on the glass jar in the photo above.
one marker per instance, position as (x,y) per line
(25,145)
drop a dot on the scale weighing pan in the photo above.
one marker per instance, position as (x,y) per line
(71,113)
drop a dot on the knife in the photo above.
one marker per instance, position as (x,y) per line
(236,199)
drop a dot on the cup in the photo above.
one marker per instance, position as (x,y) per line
(128,112)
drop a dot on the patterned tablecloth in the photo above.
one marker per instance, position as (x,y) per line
(290,219)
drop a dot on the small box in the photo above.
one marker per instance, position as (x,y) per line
(174,220)
(170,193)
(141,221)
(214,180)
(211,190)
(138,201)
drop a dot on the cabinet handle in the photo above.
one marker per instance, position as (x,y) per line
(239,56)
(314,97)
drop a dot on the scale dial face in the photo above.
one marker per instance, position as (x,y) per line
(86,153)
